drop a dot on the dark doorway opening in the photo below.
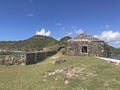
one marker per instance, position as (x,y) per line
(84,49)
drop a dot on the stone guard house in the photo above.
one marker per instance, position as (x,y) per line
(85,45)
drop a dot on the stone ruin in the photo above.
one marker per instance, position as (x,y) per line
(85,45)
(14,59)
(69,73)
(25,59)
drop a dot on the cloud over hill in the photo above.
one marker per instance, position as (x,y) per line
(43,32)
(110,37)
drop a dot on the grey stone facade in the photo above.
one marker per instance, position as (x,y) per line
(85,45)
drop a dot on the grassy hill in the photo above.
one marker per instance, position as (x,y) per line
(63,41)
(92,74)
(109,50)
(35,43)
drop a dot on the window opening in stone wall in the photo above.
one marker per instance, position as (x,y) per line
(84,49)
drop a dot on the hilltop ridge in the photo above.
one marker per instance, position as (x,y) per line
(34,43)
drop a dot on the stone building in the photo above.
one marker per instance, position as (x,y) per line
(85,45)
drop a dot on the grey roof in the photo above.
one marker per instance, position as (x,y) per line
(85,37)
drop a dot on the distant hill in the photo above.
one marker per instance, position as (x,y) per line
(109,50)
(64,39)
(35,43)
(63,44)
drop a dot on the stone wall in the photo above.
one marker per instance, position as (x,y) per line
(94,48)
(13,59)
(2,58)
(25,59)
(32,58)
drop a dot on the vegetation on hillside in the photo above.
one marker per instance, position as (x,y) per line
(35,43)
(109,50)
(63,44)
(63,41)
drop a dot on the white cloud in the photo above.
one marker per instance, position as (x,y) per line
(74,32)
(30,15)
(59,24)
(110,37)
(69,33)
(79,31)
(107,26)
(43,32)
(73,27)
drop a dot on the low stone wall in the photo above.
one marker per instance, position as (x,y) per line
(25,59)
(2,58)
(32,58)
(13,59)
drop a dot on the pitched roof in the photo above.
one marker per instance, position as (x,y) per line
(85,37)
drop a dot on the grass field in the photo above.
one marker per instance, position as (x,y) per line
(94,74)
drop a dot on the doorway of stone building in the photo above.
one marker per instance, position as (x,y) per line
(84,49)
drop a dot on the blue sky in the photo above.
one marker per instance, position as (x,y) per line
(21,19)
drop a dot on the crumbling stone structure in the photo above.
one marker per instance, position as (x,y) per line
(25,59)
(85,45)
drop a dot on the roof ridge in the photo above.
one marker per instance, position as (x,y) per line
(86,37)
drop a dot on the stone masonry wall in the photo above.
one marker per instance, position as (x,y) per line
(13,59)
(25,59)
(32,58)
(95,48)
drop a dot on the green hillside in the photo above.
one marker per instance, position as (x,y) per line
(35,43)
(64,39)
(109,50)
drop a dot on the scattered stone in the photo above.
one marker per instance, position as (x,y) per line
(59,61)
(68,73)
(44,80)
(66,81)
